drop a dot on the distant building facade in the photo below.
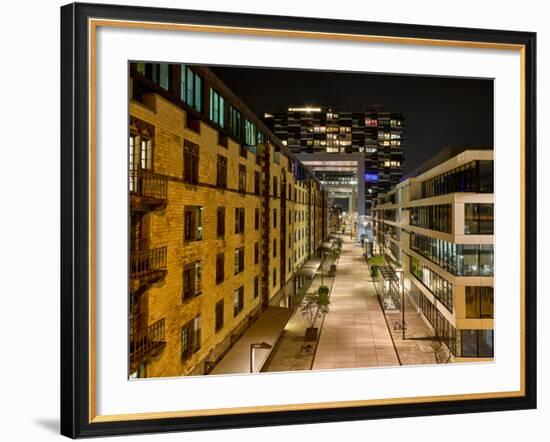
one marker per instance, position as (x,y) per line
(437,227)
(356,153)
(222,217)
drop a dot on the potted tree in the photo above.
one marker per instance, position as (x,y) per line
(313,307)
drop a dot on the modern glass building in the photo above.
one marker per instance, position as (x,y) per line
(356,153)
(436,227)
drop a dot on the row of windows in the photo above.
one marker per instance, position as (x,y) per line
(191,331)
(478,219)
(191,93)
(458,259)
(436,284)
(439,217)
(444,329)
(476,176)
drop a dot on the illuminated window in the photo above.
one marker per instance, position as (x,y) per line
(191,88)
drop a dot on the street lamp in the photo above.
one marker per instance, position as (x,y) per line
(254,346)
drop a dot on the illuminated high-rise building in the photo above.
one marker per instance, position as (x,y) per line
(356,153)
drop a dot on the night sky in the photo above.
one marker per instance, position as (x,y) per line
(438,111)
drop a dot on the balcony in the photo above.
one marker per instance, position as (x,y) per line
(148,190)
(146,343)
(147,266)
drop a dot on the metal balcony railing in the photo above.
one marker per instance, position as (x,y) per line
(143,262)
(146,184)
(147,341)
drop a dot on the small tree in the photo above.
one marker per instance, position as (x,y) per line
(315,305)
(438,348)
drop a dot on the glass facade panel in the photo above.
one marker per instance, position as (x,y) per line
(478,219)
(458,259)
(476,176)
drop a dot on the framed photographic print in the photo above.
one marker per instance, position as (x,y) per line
(274,220)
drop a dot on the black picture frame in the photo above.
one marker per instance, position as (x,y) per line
(75,220)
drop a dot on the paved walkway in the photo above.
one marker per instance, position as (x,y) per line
(354,332)
(266,329)
(288,354)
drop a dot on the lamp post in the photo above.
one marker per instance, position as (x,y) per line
(253,347)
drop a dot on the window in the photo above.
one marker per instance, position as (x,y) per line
(479,302)
(192,223)
(235,122)
(221,175)
(190,162)
(239,260)
(256,287)
(256,218)
(238,300)
(220,222)
(191,338)
(256,253)
(250,133)
(242,178)
(275,218)
(476,343)
(158,73)
(275,186)
(220,268)
(478,219)
(437,217)
(217,108)
(256,183)
(239,220)
(191,88)
(458,259)
(219,315)
(438,286)
(191,280)
(476,176)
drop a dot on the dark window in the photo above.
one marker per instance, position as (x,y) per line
(239,220)
(239,260)
(158,73)
(238,300)
(221,175)
(256,253)
(437,217)
(479,302)
(242,178)
(191,88)
(478,219)
(235,123)
(191,280)
(256,286)
(220,268)
(477,343)
(219,315)
(220,222)
(275,218)
(192,223)
(275,186)
(256,219)
(191,337)
(190,162)
(256,183)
